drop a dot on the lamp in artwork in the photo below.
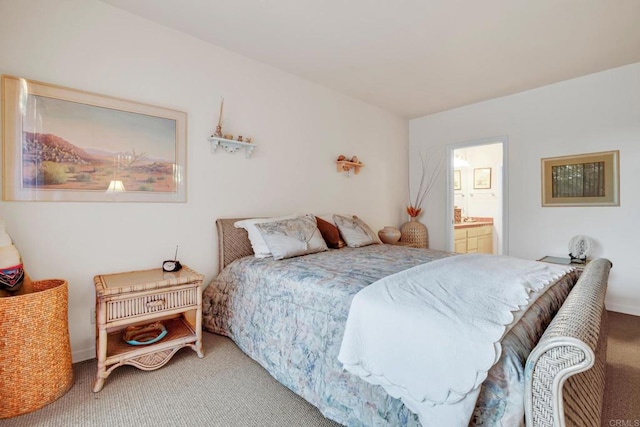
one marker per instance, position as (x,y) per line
(116,186)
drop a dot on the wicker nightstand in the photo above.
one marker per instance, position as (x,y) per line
(142,297)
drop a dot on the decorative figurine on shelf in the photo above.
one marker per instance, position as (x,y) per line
(239,138)
(248,140)
(218,133)
(11,270)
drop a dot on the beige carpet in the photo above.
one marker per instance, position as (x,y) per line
(622,394)
(224,389)
(227,388)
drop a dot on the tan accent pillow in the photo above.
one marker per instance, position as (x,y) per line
(330,234)
(355,232)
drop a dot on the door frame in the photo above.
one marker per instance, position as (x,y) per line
(449,220)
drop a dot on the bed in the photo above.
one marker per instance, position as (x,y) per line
(290,315)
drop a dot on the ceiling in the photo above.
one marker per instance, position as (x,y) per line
(415,57)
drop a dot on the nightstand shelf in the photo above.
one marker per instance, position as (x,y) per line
(178,332)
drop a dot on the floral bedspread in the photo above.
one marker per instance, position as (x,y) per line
(289,316)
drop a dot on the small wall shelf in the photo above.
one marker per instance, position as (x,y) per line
(345,166)
(231,146)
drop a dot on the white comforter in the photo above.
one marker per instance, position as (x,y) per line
(430,334)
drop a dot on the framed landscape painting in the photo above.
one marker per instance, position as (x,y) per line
(62,144)
(482,178)
(457,182)
(582,180)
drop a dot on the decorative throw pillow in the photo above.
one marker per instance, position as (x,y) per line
(260,248)
(330,234)
(292,237)
(355,232)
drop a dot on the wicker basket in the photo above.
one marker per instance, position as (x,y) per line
(35,352)
(415,233)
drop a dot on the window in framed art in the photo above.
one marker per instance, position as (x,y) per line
(582,180)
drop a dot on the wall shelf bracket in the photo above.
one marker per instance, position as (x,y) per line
(231,146)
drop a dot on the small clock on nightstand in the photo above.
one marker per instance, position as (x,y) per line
(172,265)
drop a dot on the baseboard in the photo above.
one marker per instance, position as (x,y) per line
(83,354)
(635,311)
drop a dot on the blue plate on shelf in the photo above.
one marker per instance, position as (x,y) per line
(144,334)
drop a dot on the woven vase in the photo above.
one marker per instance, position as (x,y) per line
(35,352)
(415,233)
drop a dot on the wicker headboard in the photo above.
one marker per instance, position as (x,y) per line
(233,243)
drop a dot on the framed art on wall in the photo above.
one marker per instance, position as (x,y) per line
(457,183)
(582,180)
(481,178)
(62,144)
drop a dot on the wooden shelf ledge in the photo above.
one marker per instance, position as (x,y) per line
(231,146)
(345,166)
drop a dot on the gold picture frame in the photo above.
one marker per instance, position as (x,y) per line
(62,144)
(482,178)
(591,179)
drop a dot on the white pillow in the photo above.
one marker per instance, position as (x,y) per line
(292,237)
(355,232)
(260,248)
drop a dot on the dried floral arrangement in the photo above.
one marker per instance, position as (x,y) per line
(427,180)
(218,132)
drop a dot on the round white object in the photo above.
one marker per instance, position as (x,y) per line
(580,247)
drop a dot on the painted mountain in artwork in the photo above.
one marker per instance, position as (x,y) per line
(52,163)
(46,147)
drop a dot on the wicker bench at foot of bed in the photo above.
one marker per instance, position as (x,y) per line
(564,374)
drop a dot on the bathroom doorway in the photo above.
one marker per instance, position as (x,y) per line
(477,196)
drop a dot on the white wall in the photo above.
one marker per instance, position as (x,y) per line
(594,113)
(299,127)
